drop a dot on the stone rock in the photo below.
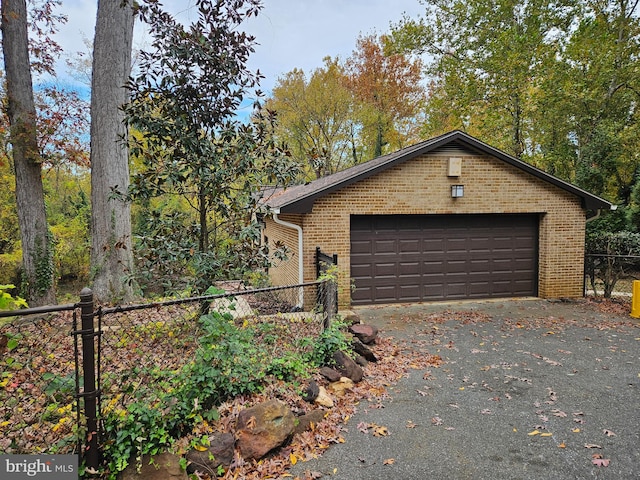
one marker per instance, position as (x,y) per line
(330,374)
(311,392)
(347,367)
(324,399)
(262,428)
(360,360)
(367,334)
(341,386)
(165,466)
(350,318)
(220,452)
(361,349)
(303,422)
(237,307)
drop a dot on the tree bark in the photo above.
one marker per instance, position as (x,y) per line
(111,254)
(36,245)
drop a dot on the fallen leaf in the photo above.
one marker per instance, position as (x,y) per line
(436,421)
(293,459)
(562,445)
(535,432)
(546,434)
(598,461)
(251,423)
(389,461)
(380,432)
(558,413)
(363,427)
(486,411)
(591,445)
(609,433)
(410,424)
(576,430)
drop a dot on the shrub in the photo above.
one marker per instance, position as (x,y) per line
(609,256)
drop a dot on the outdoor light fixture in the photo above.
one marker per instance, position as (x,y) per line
(457,191)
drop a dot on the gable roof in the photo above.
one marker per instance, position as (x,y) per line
(300,198)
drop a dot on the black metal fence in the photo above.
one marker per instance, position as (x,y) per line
(65,368)
(329,290)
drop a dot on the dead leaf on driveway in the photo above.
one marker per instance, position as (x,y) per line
(389,461)
(380,431)
(410,424)
(436,421)
(598,461)
(558,413)
(609,433)
(591,445)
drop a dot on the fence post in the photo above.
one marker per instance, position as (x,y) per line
(89,392)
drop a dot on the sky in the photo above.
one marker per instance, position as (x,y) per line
(290,33)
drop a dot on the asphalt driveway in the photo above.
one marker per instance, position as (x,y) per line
(529,389)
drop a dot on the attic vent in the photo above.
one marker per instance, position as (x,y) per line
(455,167)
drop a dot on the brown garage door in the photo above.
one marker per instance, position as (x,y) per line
(409,258)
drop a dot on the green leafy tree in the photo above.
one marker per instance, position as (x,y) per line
(484,58)
(191,143)
(315,118)
(591,133)
(553,83)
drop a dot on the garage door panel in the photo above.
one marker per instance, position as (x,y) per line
(385,294)
(409,269)
(383,270)
(409,245)
(396,258)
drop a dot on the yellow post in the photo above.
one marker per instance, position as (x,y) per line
(635,299)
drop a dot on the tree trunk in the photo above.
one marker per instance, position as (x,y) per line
(111,255)
(36,246)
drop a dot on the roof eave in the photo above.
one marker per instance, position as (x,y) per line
(589,201)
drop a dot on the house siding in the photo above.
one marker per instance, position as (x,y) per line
(421,186)
(283,272)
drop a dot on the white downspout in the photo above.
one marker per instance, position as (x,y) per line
(298,228)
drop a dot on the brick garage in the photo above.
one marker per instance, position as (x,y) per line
(400,236)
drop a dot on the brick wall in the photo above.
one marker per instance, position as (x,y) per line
(283,272)
(421,186)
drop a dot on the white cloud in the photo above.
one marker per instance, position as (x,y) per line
(290,33)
